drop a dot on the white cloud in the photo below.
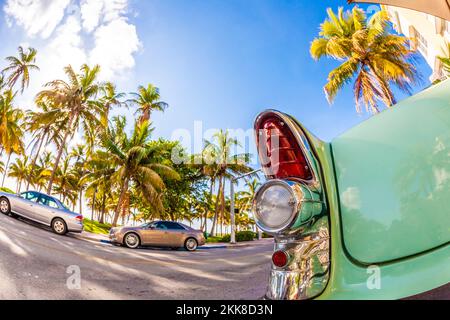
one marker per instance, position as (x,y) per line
(36,17)
(82,31)
(115,44)
(95,12)
(91,11)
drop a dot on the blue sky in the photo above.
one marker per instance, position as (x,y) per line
(216,61)
(222,62)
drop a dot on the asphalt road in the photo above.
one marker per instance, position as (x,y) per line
(37,264)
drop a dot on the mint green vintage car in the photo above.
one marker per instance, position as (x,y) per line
(366,216)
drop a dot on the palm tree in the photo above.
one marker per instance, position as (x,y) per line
(246,197)
(110,99)
(46,126)
(78,171)
(99,176)
(20,67)
(11,133)
(371,57)
(20,170)
(206,161)
(42,171)
(228,166)
(136,161)
(148,100)
(66,183)
(75,100)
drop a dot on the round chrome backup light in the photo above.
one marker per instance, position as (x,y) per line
(275,206)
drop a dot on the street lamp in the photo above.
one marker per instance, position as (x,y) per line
(232,213)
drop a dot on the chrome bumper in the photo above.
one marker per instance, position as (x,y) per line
(307,274)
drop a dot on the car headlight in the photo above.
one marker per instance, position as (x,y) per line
(284,206)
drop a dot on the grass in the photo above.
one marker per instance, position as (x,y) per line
(213,239)
(6,190)
(96,227)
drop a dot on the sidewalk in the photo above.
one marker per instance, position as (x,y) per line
(103,238)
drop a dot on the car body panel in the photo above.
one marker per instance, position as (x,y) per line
(41,213)
(393,179)
(348,277)
(398,279)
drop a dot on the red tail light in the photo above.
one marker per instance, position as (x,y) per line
(79,218)
(280,259)
(279,151)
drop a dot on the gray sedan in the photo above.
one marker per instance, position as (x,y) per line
(43,209)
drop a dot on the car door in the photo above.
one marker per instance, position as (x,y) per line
(46,209)
(25,204)
(174,235)
(155,233)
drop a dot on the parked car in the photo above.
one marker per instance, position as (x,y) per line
(366,216)
(159,234)
(43,209)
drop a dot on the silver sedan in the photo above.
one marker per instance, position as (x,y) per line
(43,209)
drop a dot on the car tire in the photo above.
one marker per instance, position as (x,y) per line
(132,240)
(59,226)
(191,244)
(5,206)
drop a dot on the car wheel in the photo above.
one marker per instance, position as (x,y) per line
(191,244)
(59,226)
(5,207)
(132,241)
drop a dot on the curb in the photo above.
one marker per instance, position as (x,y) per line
(205,247)
(88,238)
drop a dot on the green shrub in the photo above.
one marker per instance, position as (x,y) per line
(240,236)
(245,236)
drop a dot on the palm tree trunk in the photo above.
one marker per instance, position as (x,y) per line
(60,152)
(102,216)
(81,201)
(38,151)
(145,116)
(93,204)
(123,191)
(213,228)
(211,190)
(222,206)
(6,170)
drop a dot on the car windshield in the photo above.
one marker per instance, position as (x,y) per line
(62,205)
(145,225)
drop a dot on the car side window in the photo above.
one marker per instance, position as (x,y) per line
(31,196)
(174,226)
(49,202)
(161,226)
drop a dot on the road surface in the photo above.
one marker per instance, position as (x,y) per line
(37,264)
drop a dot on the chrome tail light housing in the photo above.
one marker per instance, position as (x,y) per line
(292,207)
(283,207)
